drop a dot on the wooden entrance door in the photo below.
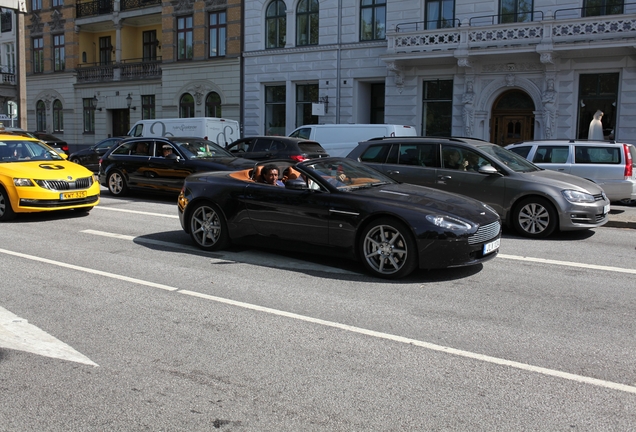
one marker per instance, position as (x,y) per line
(512,118)
(121,122)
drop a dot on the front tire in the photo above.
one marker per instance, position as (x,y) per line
(6,211)
(76,160)
(387,249)
(534,217)
(208,228)
(117,184)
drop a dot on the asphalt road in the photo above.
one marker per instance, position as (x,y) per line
(113,321)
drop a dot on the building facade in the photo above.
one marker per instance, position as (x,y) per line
(8,79)
(501,71)
(96,67)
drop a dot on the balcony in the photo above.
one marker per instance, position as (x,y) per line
(565,29)
(104,7)
(127,70)
(7,78)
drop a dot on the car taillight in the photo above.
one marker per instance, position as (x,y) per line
(298,158)
(65,148)
(629,170)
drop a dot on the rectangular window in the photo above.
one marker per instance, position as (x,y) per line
(9,50)
(58,53)
(7,21)
(275,110)
(105,51)
(36,5)
(602,7)
(440,14)
(185,48)
(38,55)
(437,108)
(598,92)
(372,20)
(148,107)
(511,11)
(597,155)
(150,44)
(305,96)
(89,115)
(58,3)
(218,32)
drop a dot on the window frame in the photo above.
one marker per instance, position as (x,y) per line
(441,21)
(150,44)
(40,115)
(36,5)
(186,107)
(278,19)
(516,14)
(374,6)
(275,109)
(312,24)
(588,11)
(59,62)
(88,116)
(213,106)
(148,110)
(58,116)
(306,94)
(217,34)
(38,55)
(185,38)
(434,100)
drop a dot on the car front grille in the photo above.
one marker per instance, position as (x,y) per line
(485,233)
(599,197)
(63,185)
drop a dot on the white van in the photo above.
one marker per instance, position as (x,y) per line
(219,130)
(340,139)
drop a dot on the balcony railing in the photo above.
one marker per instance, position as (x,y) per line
(473,34)
(8,78)
(130,69)
(103,7)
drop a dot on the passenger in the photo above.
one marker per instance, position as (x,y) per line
(142,149)
(472,162)
(452,159)
(269,173)
(167,152)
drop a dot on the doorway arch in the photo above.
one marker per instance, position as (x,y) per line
(512,118)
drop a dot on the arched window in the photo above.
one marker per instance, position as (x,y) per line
(276,24)
(186,106)
(58,116)
(372,19)
(40,116)
(307,22)
(213,105)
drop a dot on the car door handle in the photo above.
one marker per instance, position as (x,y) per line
(561,169)
(444,177)
(392,172)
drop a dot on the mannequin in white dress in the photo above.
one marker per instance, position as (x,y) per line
(596,127)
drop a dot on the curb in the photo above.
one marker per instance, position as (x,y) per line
(620,224)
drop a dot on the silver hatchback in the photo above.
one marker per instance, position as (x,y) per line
(533,201)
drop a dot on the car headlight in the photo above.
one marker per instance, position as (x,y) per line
(577,196)
(448,222)
(22,182)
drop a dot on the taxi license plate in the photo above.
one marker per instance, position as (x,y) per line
(606,209)
(73,195)
(491,247)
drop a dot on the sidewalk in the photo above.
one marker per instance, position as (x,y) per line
(622,217)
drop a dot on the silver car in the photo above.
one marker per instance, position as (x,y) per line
(533,201)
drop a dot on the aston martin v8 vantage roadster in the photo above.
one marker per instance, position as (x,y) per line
(340,207)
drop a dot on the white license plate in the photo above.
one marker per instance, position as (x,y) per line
(606,209)
(491,247)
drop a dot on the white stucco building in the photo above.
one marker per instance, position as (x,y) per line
(501,71)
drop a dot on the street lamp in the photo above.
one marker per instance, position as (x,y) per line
(129,102)
(94,103)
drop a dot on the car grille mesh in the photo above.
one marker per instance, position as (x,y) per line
(485,233)
(63,185)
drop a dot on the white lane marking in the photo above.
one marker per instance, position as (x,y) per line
(359,330)
(17,334)
(248,257)
(138,212)
(89,270)
(426,345)
(568,264)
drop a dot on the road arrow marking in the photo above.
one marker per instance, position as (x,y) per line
(17,334)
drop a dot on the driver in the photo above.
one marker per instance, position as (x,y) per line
(269,173)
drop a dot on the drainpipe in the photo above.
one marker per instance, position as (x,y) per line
(338,62)
(242,73)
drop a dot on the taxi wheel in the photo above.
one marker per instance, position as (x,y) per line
(387,249)
(6,211)
(208,228)
(117,184)
(534,217)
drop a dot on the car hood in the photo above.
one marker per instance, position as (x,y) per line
(433,200)
(562,181)
(45,170)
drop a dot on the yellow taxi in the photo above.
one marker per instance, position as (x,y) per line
(35,178)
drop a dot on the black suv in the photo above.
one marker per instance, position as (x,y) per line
(275,147)
(52,141)
(161,164)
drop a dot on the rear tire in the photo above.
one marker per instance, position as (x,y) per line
(6,211)
(117,184)
(208,228)
(535,217)
(387,249)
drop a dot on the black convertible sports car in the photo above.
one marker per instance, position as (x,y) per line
(340,207)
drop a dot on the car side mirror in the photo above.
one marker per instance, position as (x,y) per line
(296,184)
(489,169)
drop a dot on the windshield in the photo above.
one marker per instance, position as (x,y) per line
(15,151)
(344,174)
(508,158)
(200,149)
